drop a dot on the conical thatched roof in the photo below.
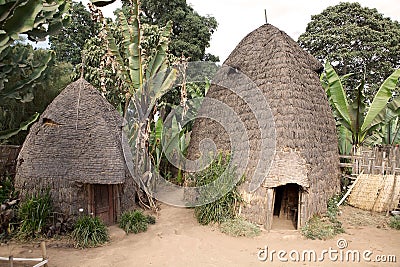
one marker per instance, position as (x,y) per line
(77,139)
(306,142)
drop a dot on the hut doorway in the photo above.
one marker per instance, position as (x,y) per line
(286,206)
(102,202)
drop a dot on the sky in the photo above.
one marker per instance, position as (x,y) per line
(237,18)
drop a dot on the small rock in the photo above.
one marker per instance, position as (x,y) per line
(177,232)
(30,251)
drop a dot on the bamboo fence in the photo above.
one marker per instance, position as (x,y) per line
(378,183)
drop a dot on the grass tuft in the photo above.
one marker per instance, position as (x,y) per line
(34,214)
(135,221)
(222,177)
(325,226)
(239,227)
(89,232)
(395,222)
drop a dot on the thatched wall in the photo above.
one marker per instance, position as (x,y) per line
(306,142)
(76,141)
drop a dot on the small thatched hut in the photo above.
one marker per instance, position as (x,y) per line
(304,172)
(75,150)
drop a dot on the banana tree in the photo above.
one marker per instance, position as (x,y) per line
(389,131)
(169,141)
(355,116)
(36,19)
(146,75)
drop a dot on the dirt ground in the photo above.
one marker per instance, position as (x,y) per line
(178,240)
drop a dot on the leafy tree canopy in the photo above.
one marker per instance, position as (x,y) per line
(17,111)
(191,33)
(356,40)
(68,43)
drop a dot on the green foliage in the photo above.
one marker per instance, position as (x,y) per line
(16,115)
(359,40)
(7,190)
(395,222)
(333,209)
(126,55)
(320,227)
(34,213)
(89,232)
(69,41)
(191,33)
(21,71)
(353,114)
(389,131)
(37,19)
(326,226)
(169,142)
(225,207)
(239,227)
(9,205)
(61,224)
(135,221)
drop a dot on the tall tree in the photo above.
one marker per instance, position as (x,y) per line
(191,33)
(68,43)
(356,40)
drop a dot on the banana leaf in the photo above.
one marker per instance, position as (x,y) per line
(7,134)
(381,99)
(337,93)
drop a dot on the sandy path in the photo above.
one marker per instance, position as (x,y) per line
(178,240)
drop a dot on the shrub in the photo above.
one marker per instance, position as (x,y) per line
(89,232)
(321,227)
(135,221)
(34,214)
(326,226)
(7,190)
(239,227)
(395,222)
(9,206)
(225,207)
(61,225)
(333,209)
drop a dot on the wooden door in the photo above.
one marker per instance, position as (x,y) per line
(104,203)
(270,208)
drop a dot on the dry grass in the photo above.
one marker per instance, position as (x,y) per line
(354,217)
(239,227)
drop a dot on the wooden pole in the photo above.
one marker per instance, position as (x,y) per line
(348,191)
(11,259)
(44,251)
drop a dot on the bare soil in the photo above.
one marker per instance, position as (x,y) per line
(178,240)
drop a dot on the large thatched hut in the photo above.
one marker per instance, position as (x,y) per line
(75,150)
(304,170)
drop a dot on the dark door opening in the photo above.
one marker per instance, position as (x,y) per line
(103,204)
(286,206)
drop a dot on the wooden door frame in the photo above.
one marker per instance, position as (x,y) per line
(270,207)
(113,199)
(270,204)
